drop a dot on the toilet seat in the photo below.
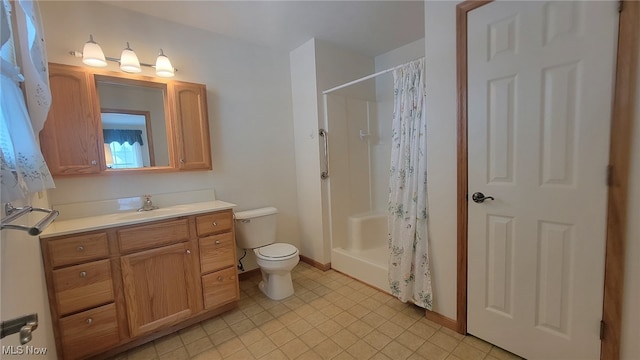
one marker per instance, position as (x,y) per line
(277,251)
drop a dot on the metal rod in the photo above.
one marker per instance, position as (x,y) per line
(358,80)
(365,78)
(43,223)
(325,174)
(14,213)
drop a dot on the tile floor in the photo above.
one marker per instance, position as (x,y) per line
(331,316)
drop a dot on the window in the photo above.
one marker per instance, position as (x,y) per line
(124,156)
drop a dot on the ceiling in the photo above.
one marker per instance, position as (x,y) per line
(368,27)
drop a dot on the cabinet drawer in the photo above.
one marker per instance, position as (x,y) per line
(220,287)
(83,286)
(78,249)
(89,332)
(217,252)
(153,235)
(214,223)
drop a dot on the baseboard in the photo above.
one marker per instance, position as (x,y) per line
(315,264)
(442,320)
(247,274)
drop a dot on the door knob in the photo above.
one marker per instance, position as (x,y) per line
(480,198)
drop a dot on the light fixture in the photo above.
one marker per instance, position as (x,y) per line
(92,55)
(129,61)
(163,65)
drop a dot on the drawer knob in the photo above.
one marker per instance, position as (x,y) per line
(83,274)
(80,248)
(89,321)
(188,252)
(220,278)
(215,223)
(217,242)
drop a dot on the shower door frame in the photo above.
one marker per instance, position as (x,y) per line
(619,169)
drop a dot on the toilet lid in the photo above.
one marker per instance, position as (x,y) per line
(277,250)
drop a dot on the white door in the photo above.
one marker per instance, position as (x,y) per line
(540,80)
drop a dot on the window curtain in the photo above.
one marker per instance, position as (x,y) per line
(122,136)
(409,269)
(22,166)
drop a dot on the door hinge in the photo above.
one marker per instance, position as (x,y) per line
(609,175)
(602,325)
(620,6)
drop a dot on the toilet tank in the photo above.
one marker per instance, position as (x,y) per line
(256,228)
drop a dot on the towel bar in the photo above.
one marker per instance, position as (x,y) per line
(14,213)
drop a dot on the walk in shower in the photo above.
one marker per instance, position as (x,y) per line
(358,121)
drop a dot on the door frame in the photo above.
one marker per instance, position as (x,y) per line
(618,172)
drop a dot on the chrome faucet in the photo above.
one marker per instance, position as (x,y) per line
(147,205)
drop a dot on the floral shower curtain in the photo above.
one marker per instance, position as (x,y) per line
(409,270)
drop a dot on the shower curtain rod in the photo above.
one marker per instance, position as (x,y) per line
(364,78)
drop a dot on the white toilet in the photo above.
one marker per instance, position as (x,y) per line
(256,229)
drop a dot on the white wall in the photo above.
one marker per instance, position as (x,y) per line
(307,155)
(440,41)
(630,345)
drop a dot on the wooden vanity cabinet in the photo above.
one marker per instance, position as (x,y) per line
(112,289)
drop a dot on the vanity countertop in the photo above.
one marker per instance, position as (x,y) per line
(77,225)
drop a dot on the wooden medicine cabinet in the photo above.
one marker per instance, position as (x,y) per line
(104,123)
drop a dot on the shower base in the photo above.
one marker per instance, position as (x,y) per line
(367,265)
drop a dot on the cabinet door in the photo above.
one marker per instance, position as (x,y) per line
(159,287)
(70,138)
(192,126)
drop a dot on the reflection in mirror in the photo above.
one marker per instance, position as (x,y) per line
(127,139)
(133,122)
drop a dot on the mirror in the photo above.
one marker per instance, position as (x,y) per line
(134,122)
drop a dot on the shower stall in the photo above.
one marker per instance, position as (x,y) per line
(358,122)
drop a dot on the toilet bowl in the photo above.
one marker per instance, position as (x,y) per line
(256,230)
(276,262)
